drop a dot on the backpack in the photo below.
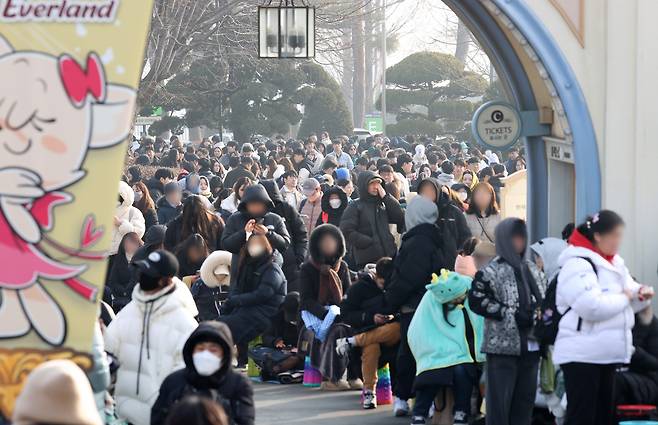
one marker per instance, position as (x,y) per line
(547,326)
(208,300)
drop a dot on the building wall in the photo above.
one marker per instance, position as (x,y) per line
(618,72)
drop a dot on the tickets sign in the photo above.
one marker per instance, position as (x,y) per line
(497,125)
(70,71)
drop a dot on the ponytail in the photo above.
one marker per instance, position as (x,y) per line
(605,221)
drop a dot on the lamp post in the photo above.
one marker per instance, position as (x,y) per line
(383,98)
(286,30)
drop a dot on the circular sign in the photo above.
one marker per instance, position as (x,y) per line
(497,125)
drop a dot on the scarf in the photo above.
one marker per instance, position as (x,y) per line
(578,239)
(331,288)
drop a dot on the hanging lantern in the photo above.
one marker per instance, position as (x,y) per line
(286,31)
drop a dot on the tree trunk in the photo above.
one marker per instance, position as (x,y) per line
(359,83)
(370,59)
(463,42)
(348,67)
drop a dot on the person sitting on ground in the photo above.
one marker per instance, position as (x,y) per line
(191,254)
(364,308)
(324,280)
(195,410)
(255,215)
(451,357)
(638,383)
(148,335)
(259,290)
(334,203)
(212,289)
(170,205)
(208,372)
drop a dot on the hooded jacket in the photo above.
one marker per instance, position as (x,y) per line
(451,221)
(234,236)
(421,254)
(294,256)
(364,299)
(598,299)
(549,249)
(147,338)
(131,219)
(365,223)
(498,294)
(309,275)
(450,343)
(230,389)
(329,214)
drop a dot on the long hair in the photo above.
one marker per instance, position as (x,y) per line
(197,219)
(492,208)
(244,253)
(146,202)
(287,165)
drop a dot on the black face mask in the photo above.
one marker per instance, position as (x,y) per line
(148,283)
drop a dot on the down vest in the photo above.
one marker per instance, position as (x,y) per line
(598,299)
(147,338)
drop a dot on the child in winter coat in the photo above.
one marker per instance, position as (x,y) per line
(445,338)
(365,310)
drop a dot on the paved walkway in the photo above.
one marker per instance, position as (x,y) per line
(295,404)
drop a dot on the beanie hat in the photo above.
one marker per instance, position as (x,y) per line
(56,392)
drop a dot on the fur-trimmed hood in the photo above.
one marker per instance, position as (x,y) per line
(319,233)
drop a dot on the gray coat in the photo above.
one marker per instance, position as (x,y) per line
(495,296)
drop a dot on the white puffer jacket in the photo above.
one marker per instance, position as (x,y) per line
(607,315)
(147,337)
(131,218)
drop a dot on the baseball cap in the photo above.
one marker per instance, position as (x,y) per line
(342,174)
(309,186)
(159,263)
(247,147)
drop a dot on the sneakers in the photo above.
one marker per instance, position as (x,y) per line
(401,407)
(369,400)
(418,420)
(460,417)
(355,384)
(342,346)
(341,385)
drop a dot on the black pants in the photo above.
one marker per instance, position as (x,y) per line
(406,363)
(511,388)
(590,393)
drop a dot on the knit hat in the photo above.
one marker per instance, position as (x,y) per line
(449,286)
(56,392)
(216,269)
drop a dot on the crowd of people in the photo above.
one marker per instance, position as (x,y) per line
(353,254)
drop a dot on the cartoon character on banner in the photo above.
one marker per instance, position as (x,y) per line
(52,111)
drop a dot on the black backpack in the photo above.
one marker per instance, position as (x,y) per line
(547,326)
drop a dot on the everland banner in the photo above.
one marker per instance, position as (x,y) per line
(69,71)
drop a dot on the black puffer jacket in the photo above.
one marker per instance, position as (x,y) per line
(364,299)
(230,389)
(452,222)
(294,256)
(420,255)
(234,236)
(365,223)
(309,276)
(329,214)
(167,213)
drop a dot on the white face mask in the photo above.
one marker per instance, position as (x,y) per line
(206,363)
(255,250)
(463,196)
(335,203)
(138,196)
